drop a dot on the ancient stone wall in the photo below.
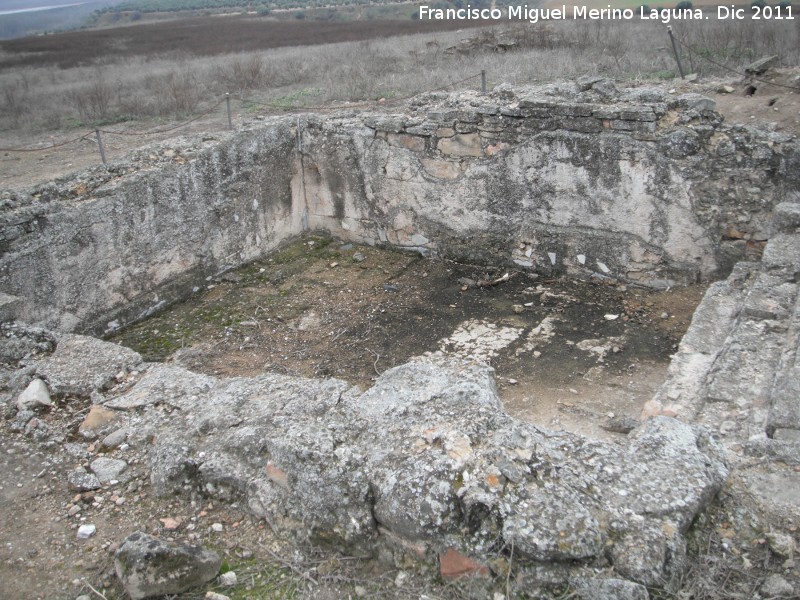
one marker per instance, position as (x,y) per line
(107,247)
(581,178)
(636,185)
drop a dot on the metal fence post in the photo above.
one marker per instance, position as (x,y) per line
(100,146)
(483,81)
(675,50)
(228,102)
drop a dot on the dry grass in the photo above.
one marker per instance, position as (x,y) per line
(147,84)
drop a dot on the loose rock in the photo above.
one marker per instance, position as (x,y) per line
(609,589)
(108,469)
(147,566)
(776,586)
(97,419)
(86,531)
(781,544)
(81,481)
(35,396)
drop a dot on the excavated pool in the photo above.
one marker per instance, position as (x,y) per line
(568,354)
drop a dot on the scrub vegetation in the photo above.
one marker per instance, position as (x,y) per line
(165,71)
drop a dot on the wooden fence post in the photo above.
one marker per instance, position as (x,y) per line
(100,146)
(675,50)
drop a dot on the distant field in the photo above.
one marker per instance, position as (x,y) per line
(165,71)
(208,36)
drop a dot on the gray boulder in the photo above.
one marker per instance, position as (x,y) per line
(149,567)
(80,480)
(108,469)
(81,365)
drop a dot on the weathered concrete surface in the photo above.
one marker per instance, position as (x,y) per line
(425,465)
(642,186)
(737,368)
(637,185)
(83,253)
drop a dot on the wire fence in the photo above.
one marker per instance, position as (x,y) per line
(282,107)
(98,132)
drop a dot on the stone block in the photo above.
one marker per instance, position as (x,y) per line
(385,123)
(467,144)
(786,217)
(582,124)
(441,169)
(149,567)
(574,110)
(782,252)
(637,113)
(744,371)
(633,126)
(81,365)
(409,142)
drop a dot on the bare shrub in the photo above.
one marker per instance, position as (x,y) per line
(176,85)
(180,91)
(94,99)
(242,73)
(16,99)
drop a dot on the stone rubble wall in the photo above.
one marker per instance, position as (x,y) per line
(737,369)
(426,467)
(111,246)
(637,185)
(581,179)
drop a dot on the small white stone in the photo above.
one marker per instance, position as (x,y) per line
(603,267)
(401,579)
(34,396)
(86,531)
(217,527)
(228,579)
(552,256)
(582,259)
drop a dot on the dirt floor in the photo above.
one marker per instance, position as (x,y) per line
(568,354)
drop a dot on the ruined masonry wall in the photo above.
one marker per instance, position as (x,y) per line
(580,179)
(93,252)
(645,187)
